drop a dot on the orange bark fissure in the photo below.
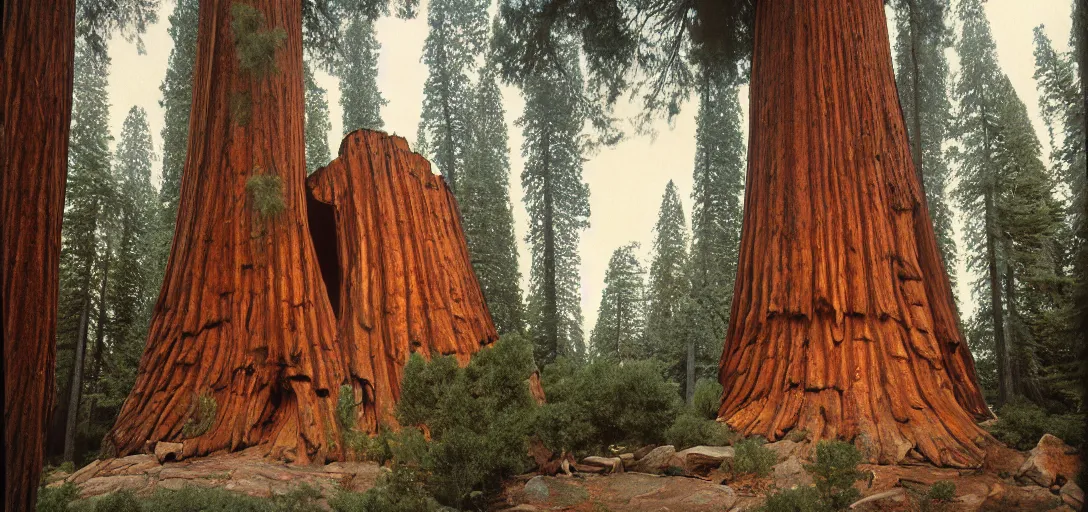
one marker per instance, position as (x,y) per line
(842,321)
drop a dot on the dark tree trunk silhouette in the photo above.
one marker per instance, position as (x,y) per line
(39,53)
(842,322)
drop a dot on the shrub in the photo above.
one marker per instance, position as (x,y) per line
(201,416)
(399,490)
(751,457)
(479,418)
(121,501)
(56,499)
(834,473)
(629,405)
(799,499)
(797,435)
(241,107)
(256,46)
(1021,423)
(942,492)
(690,430)
(266,190)
(707,398)
(200,499)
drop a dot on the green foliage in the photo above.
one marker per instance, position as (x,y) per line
(399,490)
(317,121)
(360,99)
(668,284)
(1021,423)
(942,491)
(690,430)
(557,201)
(479,418)
(751,457)
(201,416)
(834,472)
(488,216)
(121,501)
(707,399)
(67,467)
(266,190)
(797,435)
(621,318)
(591,406)
(56,499)
(255,45)
(799,499)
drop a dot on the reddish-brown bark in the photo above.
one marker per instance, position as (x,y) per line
(394,257)
(39,52)
(243,315)
(843,322)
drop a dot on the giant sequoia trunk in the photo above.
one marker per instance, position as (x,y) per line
(244,347)
(39,53)
(393,254)
(843,322)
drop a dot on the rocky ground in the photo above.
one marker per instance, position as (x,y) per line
(650,479)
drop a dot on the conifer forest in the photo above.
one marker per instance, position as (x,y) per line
(527,255)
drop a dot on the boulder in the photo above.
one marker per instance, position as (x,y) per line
(655,461)
(610,464)
(165,451)
(641,452)
(785,448)
(108,484)
(701,459)
(1050,462)
(1073,496)
(536,490)
(791,473)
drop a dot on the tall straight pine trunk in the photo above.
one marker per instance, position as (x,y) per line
(39,53)
(843,322)
(243,317)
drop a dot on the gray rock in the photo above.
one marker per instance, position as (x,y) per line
(536,490)
(168,451)
(107,484)
(656,461)
(784,449)
(791,473)
(1049,460)
(701,459)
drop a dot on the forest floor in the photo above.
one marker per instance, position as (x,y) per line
(1010,480)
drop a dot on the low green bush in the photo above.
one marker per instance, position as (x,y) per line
(1021,423)
(799,499)
(942,491)
(479,417)
(706,399)
(254,44)
(690,430)
(834,473)
(267,193)
(56,499)
(399,490)
(751,457)
(121,501)
(595,405)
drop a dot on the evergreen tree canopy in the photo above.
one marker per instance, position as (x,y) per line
(621,317)
(317,122)
(922,37)
(360,100)
(490,228)
(458,35)
(557,201)
(669,285)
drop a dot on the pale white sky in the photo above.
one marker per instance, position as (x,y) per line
(626,182)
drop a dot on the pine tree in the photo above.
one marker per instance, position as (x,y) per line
(177,98)
(131,291)
(669,284)
(621,318)
(490,230)
(360,100)
(88,202)
(922,75)
(458,34)
(1012,218)
(317,122)
(557,201)
(715,222)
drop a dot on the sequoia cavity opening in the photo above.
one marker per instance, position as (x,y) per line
(323,233)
